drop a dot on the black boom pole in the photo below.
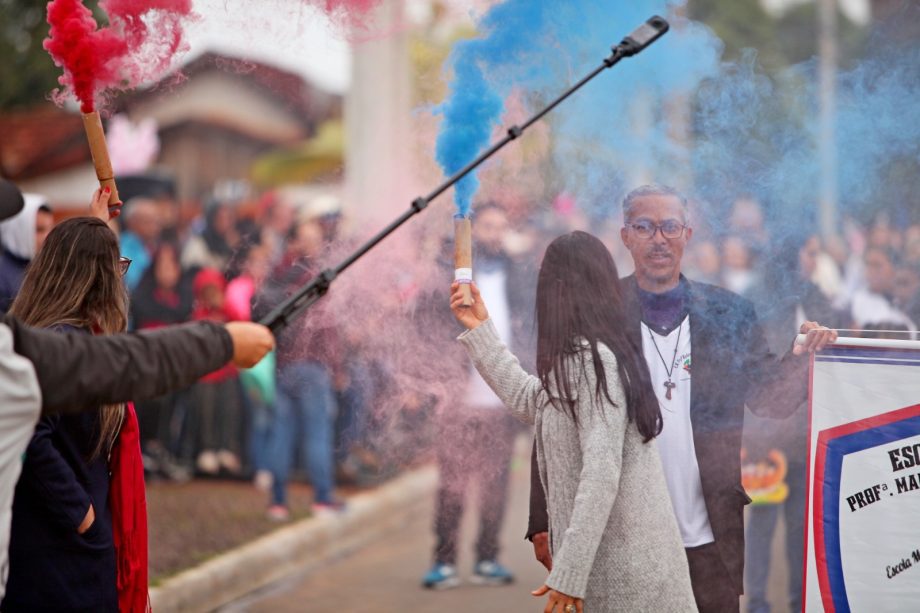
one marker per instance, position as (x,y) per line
(280,317)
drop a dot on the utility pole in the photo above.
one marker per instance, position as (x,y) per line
(378,111)
(827,141)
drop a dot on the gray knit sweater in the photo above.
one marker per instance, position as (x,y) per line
(613,535)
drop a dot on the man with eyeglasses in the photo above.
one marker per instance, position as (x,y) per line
(688,327)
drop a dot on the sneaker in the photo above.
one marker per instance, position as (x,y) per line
(328,509)
(278,513)
(229,461)
(490,572)
(167,466)
(151,466)
(263,480)
(208,463)
(441,577)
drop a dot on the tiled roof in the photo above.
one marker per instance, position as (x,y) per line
(40,140)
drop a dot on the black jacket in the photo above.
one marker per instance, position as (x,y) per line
(78,372)
(52,568)
(777,308)
(153,308)
(732,366)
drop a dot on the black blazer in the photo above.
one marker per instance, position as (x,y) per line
(732,366)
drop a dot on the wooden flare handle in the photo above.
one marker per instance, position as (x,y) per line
(463,257)
(92,123)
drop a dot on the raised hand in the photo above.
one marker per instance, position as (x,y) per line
(99,205)
(472,315)
(251,342)
(817,337)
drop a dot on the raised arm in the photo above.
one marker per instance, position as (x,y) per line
(522,393)
(778,386)
(77,372)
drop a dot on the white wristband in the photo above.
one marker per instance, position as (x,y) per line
(463,275)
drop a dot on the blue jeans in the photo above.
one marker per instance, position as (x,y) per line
(759,539)
(353,404)
(304,412)
(261,418)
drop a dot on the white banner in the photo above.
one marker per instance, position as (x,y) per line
(863,512)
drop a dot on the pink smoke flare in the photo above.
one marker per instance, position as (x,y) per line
(141,41)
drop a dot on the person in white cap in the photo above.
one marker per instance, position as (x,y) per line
(21,236)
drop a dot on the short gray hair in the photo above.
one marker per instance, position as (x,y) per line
(653,189)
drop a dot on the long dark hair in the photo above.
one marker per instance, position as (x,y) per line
(75,280)
(579,297)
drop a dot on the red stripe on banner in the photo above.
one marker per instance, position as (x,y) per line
(811,387)
(873,422)
(818,520)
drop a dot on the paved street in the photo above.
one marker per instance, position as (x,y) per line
(384,577)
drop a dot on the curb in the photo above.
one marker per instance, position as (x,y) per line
(297,548)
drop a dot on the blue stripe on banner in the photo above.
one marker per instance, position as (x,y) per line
(869,352)
(869,361)
(836,450)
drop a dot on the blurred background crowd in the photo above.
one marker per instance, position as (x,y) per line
(242,254)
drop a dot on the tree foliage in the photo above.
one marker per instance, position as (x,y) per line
(781,41)
(27,73)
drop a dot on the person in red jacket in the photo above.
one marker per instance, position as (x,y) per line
(216,407)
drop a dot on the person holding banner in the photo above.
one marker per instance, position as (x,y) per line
(776,451)
(693,329)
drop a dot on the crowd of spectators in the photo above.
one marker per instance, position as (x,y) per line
(260,424)
(870,273)
(306,410)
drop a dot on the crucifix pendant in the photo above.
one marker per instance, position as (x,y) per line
(669,386)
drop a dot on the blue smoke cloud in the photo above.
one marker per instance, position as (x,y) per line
(542,46)
(482,79)
(761,138)
(747,133)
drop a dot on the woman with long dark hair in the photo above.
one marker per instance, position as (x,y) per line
(613,535)
(78,536)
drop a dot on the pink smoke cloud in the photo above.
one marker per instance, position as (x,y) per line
(352,13)
(140,42)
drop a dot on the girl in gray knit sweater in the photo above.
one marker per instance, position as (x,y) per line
(613,535)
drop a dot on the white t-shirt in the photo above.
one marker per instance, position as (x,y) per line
(493,286)
(675,443)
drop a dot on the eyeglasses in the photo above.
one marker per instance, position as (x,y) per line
(645,229)
(123,265)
